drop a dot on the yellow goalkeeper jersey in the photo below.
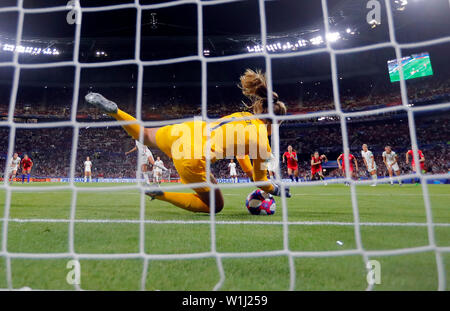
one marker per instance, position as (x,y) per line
(247,140)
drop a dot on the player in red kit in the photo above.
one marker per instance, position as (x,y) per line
(26,164)
(351,158)
(316,166)
(413,163)
(290,156)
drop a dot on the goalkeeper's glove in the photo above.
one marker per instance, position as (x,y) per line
(277,191)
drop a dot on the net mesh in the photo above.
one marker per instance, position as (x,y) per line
(213,253)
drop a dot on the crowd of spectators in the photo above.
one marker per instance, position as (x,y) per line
(51,148)
(171,102)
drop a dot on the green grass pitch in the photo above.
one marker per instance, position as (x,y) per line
(332,203)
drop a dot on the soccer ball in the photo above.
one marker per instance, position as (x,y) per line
(260,203)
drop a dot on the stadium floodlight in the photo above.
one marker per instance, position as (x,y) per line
(316,40)
(333,36)
(348,30)
(374,23)
(8,48)
(302,42)
(101,53)
(29,50)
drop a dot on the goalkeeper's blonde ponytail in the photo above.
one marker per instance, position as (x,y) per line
(254,86)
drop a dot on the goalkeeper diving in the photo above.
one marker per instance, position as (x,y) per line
(239,135)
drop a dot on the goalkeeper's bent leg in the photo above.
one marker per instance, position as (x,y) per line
(187,201)
(133,130)
(197,203)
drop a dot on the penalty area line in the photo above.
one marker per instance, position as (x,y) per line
(228,222)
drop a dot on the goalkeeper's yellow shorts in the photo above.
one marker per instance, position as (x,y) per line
(191,168)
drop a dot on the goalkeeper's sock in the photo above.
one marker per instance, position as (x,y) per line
(132,129)
(187,201)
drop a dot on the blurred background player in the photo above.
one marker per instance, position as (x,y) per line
(413,163)
(26,164)
(369,162)
(290,156)
(157,170)
(390,160)
(145,158)
(341,164)
(233,173)
(13,167)
(272,164)
(87,170)
(316,166)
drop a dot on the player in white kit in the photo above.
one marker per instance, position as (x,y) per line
(369,162)
(233,174)
(13,166)
(87,170)
(145,158)
(272,165)
(390,160)
(157,170)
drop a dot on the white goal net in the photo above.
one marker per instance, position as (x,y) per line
(76,125)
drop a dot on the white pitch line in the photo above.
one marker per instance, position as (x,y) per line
(371,194)
(228,222)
